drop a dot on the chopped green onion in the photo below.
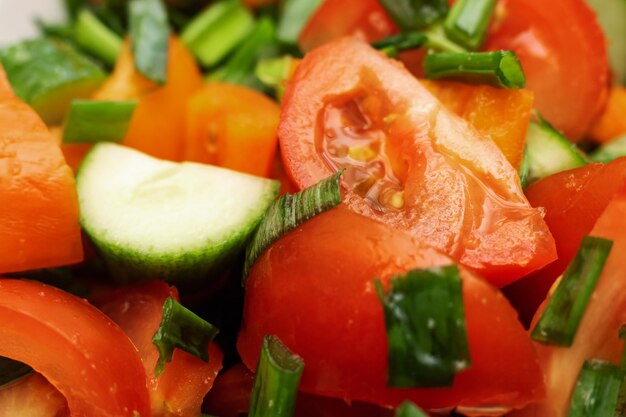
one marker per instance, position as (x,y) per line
(149,34)
(524,169)
(274,72)
(11,370)
(181,328)
(415,14)
(426,332)
(240,67)
(95,37)
(290,211)
(610,151)
(72,7)
(559,322)
(620,407)
(596,391)
(276,380)
(408,409)
(217,31)
(98,121)
(468,22)
(402,42)
(498,68)
(294,16)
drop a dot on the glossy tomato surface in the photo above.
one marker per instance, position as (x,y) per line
(409,161)
(313,288)
(78,349)
(563,51)
(180,389)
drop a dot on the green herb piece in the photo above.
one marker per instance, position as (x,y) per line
(596,391)
(290,211)
(181,328)
(620,407)
(559,322)
(149,35)
(276,380)
(499,68)
(98,121)
(95,37)
(294,16)
(11,370)
(240,67)
(610,151)
(402,42)
(48,74)
(415,14)
(426,332)
(468,22)
(217,31)
(274,72)
(408,409)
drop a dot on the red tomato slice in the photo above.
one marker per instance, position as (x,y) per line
(313,289)
(409,162)
(180,389)
(573,201)
(79,350)
(563,52)
(597,336)
(336,18)
(32,396)
(39,225)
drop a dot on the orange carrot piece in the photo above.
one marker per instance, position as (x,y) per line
(612,123)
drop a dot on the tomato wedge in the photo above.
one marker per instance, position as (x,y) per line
(180,389)
(32,396)
(563,51)
(409,162)
(313,288)
(39,225)
(79,350)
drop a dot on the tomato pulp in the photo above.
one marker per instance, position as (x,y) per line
(409,162)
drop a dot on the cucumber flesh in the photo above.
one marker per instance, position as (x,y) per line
(612,18)
(180,222)
(612,150)
(549,152)
(48,73)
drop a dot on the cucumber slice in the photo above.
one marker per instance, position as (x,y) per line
(612,18)
(48,73)
(612,150)
(180,222)
(549,152)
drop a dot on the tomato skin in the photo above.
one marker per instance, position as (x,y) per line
(566,65)
(81,352)
(313,289)
(180,389)
(336,18)
(32,396)
(461,195)
(240,124)
(573,200)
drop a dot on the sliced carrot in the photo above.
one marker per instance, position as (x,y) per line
(39,225)
(612,123)
(233,127)
(158,122)
(502,114)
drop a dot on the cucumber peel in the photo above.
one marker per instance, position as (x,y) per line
(180,222)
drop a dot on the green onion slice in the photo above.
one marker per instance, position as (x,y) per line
(408,409)
(11,370)
(294,16)
(415,14)
(402,42)
(276,380)
(468,22)
(181,328)
(290,211)
(92,121)
(560,320)
(149,33)
(499,68)
(426,331)
(94,36)
(217,31)
(620,407)
(596,391)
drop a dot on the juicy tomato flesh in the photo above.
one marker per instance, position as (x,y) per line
(32,396)
(79,350)
(566,65)
(180,389)
(409,162)
(573,201)
(306,290)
